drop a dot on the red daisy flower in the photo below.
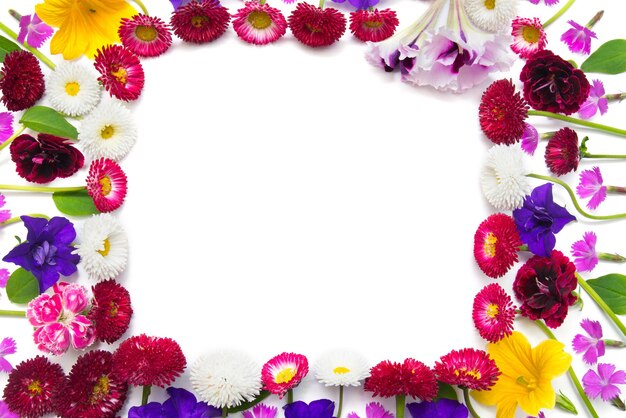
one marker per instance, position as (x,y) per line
(144,361)
(91,390)
(373,25)
(33,386)
(502,113)
(21,81)
(316,27)
(493,313)
(259,24)
(284,372)
(111,310)
(200,21)
(496,243)
(469,368)
(562,154)
(146,36)
(106,184)
(122,73)
(412,378)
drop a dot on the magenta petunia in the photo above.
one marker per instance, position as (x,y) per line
(7,347)
(34,31)
(592,345)
(591,185)
(584,252)
(604,382)
(6,126)
(595,102)
(530,139)
(578,38)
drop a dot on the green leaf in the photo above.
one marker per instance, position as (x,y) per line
(446,391)
(247,405)
(75,203)
(612,289)
(22,286)
(7,46)
(610,58)
(46,120)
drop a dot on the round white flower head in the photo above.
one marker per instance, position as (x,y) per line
(503,178)
(108,132)
(341,368)
(226,379)
(491,15)
(73,89)
(103,247)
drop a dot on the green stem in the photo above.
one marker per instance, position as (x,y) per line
(12,138)
(558,14)
(224,412)
(322,4)
(400,405)
(595,19)
(468,403)
(340,407)
(19,314)
(581,122)
(289,396)
(34,51)
(614,343)
(572,374)
(618,403)
(41,189)
(616,258)
(523,247)
(142,6)
(587,155)
(17,219)
(615,189)
(573,197)
(15,15)
(615,97)
(145,394)
(601,303)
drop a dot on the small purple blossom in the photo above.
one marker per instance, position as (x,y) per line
(595,101)
(6,126)
(261,411)
(530,139)
(546,2)
(373,410)
(541,415)
(7,347)
(4,278)
(5,412)
(181,403)
(584,252)
(603,383)
(5,214)
(578,38)
(592,345)
(322,408)
(591,185)
(442,408)
(33,31)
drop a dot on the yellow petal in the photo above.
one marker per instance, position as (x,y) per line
(551,360)
(513,356)
(506,410)
(543,397)
(54,12)
(70,39)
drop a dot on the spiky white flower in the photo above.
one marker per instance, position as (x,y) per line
(491,15)
(108,132)
(103,247)
(503,178)
(73,89)
(341,368)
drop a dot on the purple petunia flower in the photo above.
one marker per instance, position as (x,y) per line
(578,38)
(6,126)
(5,412)
(261,411)
(546,2)
(539,219)
(5,214)
(7,346)
(591,185)
(373,410)
(181,403)
(530,139)
(33,31)
(4,278)
(442,408)
(47,252)
(595,101)
(584,252)
(322,408)
(593,345)
(603,383)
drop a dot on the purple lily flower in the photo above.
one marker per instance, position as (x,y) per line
(442,408)
(584,253)
(591,185)
(7,346)
(34,31)
(530,139)
(604,382)
(592,346)
(322,408)
(595,101)
(6,126)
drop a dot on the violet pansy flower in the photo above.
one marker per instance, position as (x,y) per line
(6,126)
(530,139)
(442,408)
(592,345)
(322,408)
(7,347)
(591,185)
(595,101)
(578,38)
(584,252)
(150,410)
(604,382)
(34,31)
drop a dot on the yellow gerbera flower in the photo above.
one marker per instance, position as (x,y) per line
(84,25)
(527,374)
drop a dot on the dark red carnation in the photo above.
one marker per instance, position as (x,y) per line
(553,84)
(33,387)
(412,378)
(91,390)
(373,25)
(21,81)
(111,310)
(316,27)
(469,368)
(544,286)
(46,158)
(200,21)
(496,244)
(502,113)
(562,153)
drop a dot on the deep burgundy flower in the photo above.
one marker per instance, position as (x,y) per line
(544,286)
(316,27)
(562,153)
(33,386)
(200,21)
(111,310)
(46,158)
(469,368)
(553,84)
(21,81)
(412,378)
(91,390)
(502,113)
(373,25)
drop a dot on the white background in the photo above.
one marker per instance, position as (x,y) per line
(289,199)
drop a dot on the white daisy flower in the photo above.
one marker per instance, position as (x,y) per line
(73,89)
(108,132)
(491,15)
(226,379)
(341,368)
(103,248)
(503,178)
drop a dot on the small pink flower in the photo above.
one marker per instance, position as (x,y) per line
(284,372)
(593,345)
(33,31)
(7,347)
(604,382)
(591,185)
(595,102)
(4,278)
(546,2)
(530,139)
(5,214)
(528,36)
(578,38)
(6,126)
(584,252)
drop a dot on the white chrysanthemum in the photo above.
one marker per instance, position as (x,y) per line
(73,89)
(226,379)
(491,15)
(341,368)
(503,178)
(108,132)
(103,247)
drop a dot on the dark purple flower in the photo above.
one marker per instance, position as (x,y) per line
(47,251)
(442,408)
(179,3)
(183,403)
(584,252)
(360,4)
(578,38)
(593,345)
(603,383)
(150,410)
(596,101)
(322,408)
(539,219)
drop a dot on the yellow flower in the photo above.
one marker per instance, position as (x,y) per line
(84,25)
(527,374)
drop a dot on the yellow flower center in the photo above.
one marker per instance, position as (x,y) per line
(146,33)
(531,34)
(100,390)
(199,21)
(113,308)
(35,388)
(311,28)
(120,74)
(285,375)
(105,185)
(489,246)
(490,4)
(72,88)
(107,247)
(472,373)
(492,310)
(107,132)
(341,370)
(530,384)
(259,19)
(373,24)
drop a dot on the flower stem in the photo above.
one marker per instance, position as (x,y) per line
(573,197)
(614,343)
(15,15)
(468,403)
(34,51)
(400,405)
(289,396)
(12,138)
(618,403)
(142,6)
(19,314)
(340,402)
(558,14)
(322,3)
(145,394)
(41,189)
(570,371)
(224,412)
(595,19)
(615,189)
(615,97)
(601,303)
(616,156)
(606,128)
(17,219)
(616,258)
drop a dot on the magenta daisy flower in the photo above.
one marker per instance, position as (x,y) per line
(604,382)
(122,73)
(200,22)
(146,36)
(562,154)
(502,113)
(584,252)
(373,25)
(592,346)
(528,36)
(591,185)
(469,368)
(316,27)
(259,24)
(106,184)
(496,243)
(284,372)
(493,313)
(578,38)
(530,139)
(595,101)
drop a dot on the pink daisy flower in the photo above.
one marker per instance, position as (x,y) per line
(284,372)
(146,36)
(259,24)
(469,368)
(528,36)
(373,25)
(106,184)
(584,252)
(200,21)
(493,313)
(122,73)
(496,244)
(316,27)
(591,185)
